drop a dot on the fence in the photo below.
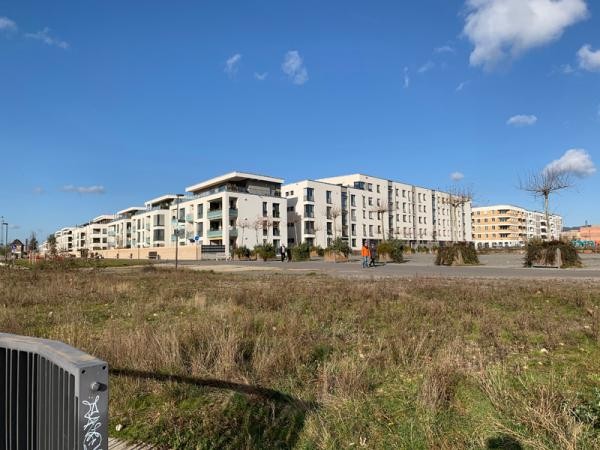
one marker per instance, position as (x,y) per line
(52,396)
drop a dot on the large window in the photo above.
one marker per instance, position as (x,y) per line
(200,211)
(328,198)
(159,220)
(275,210)
(309,195)
(159,235)
(309,211)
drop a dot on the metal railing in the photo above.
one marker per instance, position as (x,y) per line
(52,396)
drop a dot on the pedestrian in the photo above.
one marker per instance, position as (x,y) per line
(373,255)
(282,251)
(365,253)
(289,254)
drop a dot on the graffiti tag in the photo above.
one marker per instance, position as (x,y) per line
(92,439)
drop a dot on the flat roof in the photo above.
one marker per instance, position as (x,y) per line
(162,198)
(131,209)
(231,176)
(103,217)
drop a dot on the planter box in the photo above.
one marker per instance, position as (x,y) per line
(335,257)
(543,261)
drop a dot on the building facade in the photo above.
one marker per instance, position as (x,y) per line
(360,208)
(499,226)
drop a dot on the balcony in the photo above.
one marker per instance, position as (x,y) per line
(233,212)
(215,214)
(189,218)
(211,234)
(233,232)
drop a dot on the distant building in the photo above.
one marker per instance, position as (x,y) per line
(511,226)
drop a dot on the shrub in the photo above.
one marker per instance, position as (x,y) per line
(317,249)
(242,252)
(265,251)
(301,252)
(456,254)
(545,252)
(339,246)
(393,248)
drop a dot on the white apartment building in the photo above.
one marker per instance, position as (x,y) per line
(217,215)
(65,240)
(360,207)
(499,226)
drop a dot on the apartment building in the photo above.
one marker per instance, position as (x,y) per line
(360,207)
(120,230)
(511,226)
(65,240)
(92,236)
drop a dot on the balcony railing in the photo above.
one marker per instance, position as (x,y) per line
(214,234)
(233,212)
(233,232)
(215,214)
(189,218)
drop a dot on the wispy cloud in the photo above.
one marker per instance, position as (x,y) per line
(456,176)
(45,36)
(38,190)
(461,86)
(505,29)
(406,78)
(232,64)
(261,76)
(589,59)
(522,120)
(7,25)
(444,49)
(293,66)
(429,65)
(575,161)
(84,189)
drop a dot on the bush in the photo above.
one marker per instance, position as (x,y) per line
(545,252)
(318,250)
(265,251)
(457,254)
(393,248)
(242,252)
(422,249)
(338,245)
(301,252)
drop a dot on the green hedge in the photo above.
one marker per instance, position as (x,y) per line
(457,253)
(538,250)
(265,251)
(393,248)
(339,246)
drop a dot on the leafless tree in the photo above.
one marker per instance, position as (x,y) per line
(544,184)
(381,210)
(458,196)
(243,224)
(332,213)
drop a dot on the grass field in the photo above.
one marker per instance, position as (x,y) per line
(204,360)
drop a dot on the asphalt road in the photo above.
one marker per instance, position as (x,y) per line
(492,266)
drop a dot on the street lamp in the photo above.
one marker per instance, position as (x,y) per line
(4,224)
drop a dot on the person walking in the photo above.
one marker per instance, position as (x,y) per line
(282,251)
(373,255)
(365,253)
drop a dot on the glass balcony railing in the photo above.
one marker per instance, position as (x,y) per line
(214,233)
(189,218)
(233,232)
(215,214)
(233,212)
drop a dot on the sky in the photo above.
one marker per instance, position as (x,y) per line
(104,105)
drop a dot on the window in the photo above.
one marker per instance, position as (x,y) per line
(352,200)
(309,211)
(328,199)
(369,187)
(309,227)
(370,201)
(291,209)
(276,229)
(353,229)
(328,213)
(309,195)
(199,228)
(378,191)
(159,220)
(378,202)
(276,210)
(371,230)
(265,209)
(182,214)
(265,228)
(329,228)
(159,235)
(199,211)
(364,230)
(371,215)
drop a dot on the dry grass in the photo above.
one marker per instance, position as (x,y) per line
(280,361)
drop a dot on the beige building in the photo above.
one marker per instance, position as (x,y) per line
(359,207)
(511,226)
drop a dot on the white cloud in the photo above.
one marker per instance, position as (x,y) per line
(444,49)
(84,189)
(293,67)
(567,69)
(406,78)
(456,176)
(501,29)
(7,25)
(46,38)
(576,161)
(521,120)
(232,64)
(38,190)
(261,76)
(461,86)
(589,59)
(429,65)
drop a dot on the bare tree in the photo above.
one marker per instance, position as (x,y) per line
(243,224)
(332,213)
(381,210)
(544,184)
(458,197)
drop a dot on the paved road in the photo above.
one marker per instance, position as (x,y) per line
(492,266)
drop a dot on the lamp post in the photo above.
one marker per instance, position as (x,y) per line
(5,224)
(177,230)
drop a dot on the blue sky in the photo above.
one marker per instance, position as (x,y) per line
(106,104)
